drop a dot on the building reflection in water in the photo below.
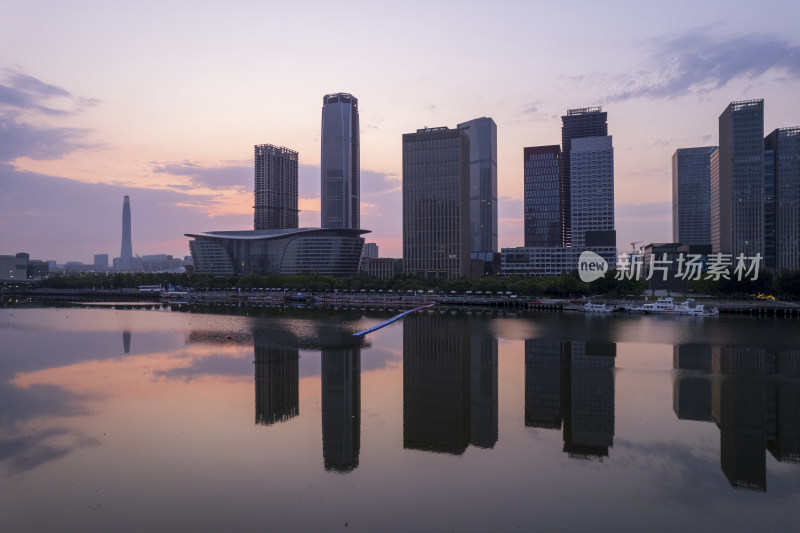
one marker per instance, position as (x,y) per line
(277,376)
(449,384)
(126,341)
(341,407)
(752,395)
(570,385)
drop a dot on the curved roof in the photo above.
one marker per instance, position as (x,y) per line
(267,234)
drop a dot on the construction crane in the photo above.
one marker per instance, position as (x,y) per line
(633,245)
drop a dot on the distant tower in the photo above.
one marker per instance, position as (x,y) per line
(482,133)
(126,252)
(340,173)
(276,180)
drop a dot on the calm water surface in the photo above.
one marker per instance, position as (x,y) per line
(155,420)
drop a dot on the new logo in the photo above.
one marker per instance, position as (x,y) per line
(591,266)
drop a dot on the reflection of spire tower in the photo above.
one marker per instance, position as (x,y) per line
(126,252)
(341,408)
(277,377)
(126,341)
(589,419)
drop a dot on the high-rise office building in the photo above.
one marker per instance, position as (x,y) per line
(691,195)
(276,180)
(783,149)
(591,163)
(126,251)
(340,172)
(436,237)
(739,188)
(576,124)
(542,171)
(482,133)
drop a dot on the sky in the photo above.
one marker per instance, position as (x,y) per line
(163,101)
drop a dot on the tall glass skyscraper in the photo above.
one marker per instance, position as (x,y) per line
(276,180)
(783,145)
(691,195)
(340,174)
(436,237)
(576,124)
(482,133)
(592,195)
(542,171)
(740,186)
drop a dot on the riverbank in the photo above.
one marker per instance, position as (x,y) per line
(239,298)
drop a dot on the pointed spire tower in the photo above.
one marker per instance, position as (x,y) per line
(126,252)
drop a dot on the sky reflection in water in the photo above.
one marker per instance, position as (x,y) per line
(127,420)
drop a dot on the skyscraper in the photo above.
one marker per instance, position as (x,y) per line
(592,194)
(482,133)
(436,237)
(691,195)
(740,184)
(126,251)
(783,145)
(340,172)
(542,170)
(276,179)
(577,123)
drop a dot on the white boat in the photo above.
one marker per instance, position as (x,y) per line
(589,307)
(667,306)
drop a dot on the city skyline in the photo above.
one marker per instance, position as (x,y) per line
(83,136)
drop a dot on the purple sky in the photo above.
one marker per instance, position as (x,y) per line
(164,102)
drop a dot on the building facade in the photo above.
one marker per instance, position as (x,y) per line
(542,203)
(436,214)
(275,187)
(340,162)
(740,184)
(482,133)
(576,124)
(783,157)
(592,197)
(691,195)
(331,252)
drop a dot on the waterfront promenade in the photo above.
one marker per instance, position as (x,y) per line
(408,299)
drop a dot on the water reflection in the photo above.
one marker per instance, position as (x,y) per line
(341,407)
(277,357)
(752,395)
(449,384)
(571,385)
(277,379)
